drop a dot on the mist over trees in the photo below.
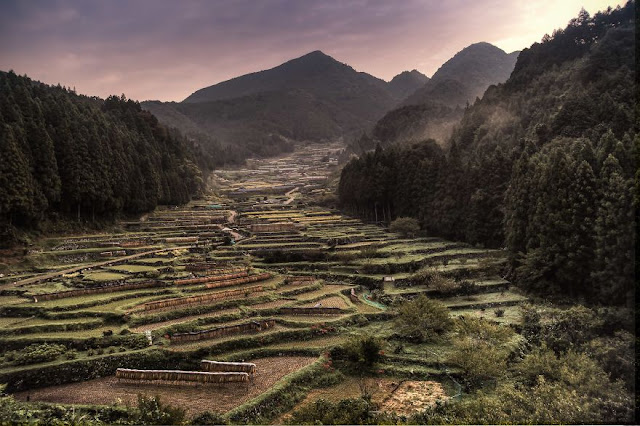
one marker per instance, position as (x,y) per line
(543,165)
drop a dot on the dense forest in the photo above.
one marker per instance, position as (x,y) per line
(65,155)
(542,165)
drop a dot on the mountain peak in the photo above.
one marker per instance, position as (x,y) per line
(407,82)
(466,75)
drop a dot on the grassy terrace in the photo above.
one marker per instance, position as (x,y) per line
(362,255)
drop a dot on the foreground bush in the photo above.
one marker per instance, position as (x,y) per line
(422,319)
(546,389)
(353,411)
(151,411)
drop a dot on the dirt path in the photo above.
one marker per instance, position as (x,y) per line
(50,275)
(291,195)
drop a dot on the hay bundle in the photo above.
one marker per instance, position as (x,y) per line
(243,367)
(174,376)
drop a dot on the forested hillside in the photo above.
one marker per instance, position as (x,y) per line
(432,111)
(65,155)
(543,165)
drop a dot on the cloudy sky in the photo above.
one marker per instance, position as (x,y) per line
(157,49)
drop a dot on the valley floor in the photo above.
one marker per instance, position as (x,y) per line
(257,249)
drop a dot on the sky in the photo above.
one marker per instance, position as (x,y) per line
(166,50)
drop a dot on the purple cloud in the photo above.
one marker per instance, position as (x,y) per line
(165,50)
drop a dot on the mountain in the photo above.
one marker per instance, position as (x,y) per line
(407,82)
(432,111)
(466,76)
(315,72)
(313,97)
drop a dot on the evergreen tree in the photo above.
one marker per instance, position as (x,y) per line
(614,235)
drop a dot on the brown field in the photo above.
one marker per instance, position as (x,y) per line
(391,395)
(157,325)
(329,302)
(196,399)
(411,397)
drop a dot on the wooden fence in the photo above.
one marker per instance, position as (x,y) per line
(311,311)
(237,281)
(196,300)
(217,366)
(95,290)
(217,332)
(175,376)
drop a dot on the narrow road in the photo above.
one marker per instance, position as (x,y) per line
(291,195)
(49,275)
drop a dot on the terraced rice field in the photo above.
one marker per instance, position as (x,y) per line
(316,257)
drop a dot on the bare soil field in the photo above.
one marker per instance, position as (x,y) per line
(391,395)
(216,398)
(412,397)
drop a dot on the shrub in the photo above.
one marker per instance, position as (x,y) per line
(209,418)
(363,351)
(151,411)
(38,353)
(499,312)
(467,288)
(406,226)
(422,319)
(616,355)
(481,350)
(348,411)
(425,277)
(71,354)
(478,360)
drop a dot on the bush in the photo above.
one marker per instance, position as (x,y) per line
(209,418)
(479,361)
(38,353)
(354,411)
(467,288)
(616,355)
(406,226)
(499,312)
(151,411)
(362,350)
(422,319)
(481,350)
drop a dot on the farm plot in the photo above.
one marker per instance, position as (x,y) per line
(288,258)
(215,398)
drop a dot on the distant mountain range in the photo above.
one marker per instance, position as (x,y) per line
(315,97)
(466,76)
